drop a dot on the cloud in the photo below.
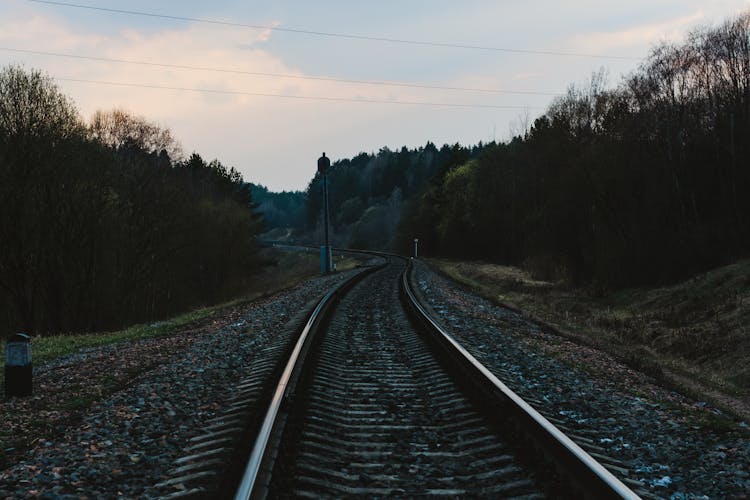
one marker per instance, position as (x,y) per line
(194,45)
(601,42)
(239,51)
(265,34)
(275,140)
(250,132)
(528,75)
(28,32)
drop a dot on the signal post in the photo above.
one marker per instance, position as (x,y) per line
(326,255)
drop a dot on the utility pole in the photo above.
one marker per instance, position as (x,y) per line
(325,251)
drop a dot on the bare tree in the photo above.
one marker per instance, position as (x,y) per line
(119,127)
(32,105)
(519,126)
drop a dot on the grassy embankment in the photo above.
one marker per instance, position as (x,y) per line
(289,269)
(692,335)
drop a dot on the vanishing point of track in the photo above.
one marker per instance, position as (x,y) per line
(377,401)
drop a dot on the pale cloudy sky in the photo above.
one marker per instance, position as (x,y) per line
(276,140)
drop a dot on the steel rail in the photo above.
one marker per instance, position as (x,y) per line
(249,485)
(589,476)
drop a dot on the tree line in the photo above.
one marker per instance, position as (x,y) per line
(104,223)
(285,209)
(367,193)
(643,183)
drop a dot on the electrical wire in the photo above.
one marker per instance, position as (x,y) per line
(298,97)
(280,75)
(339,35)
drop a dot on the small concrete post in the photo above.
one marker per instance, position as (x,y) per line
(416,247)
(18,370)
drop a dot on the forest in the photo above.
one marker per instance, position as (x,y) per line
(104,223)
(285,209)
(367,193)
(642,183)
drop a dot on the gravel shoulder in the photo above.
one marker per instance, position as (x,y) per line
(675,446)
(110,421)
(691,335)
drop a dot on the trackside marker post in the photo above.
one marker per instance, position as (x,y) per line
(18,369)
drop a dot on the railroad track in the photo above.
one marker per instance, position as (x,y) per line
(376,400)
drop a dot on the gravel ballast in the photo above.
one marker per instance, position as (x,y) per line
(657,433)
(125,443)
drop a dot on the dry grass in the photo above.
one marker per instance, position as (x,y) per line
(693,335)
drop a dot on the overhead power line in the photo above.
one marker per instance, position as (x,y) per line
(339,35)
(298,97)
(280,75)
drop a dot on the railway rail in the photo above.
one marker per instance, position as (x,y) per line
(376,399)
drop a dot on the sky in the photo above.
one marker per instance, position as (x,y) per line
(273,127)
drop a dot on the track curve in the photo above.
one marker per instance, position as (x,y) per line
(378,409)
